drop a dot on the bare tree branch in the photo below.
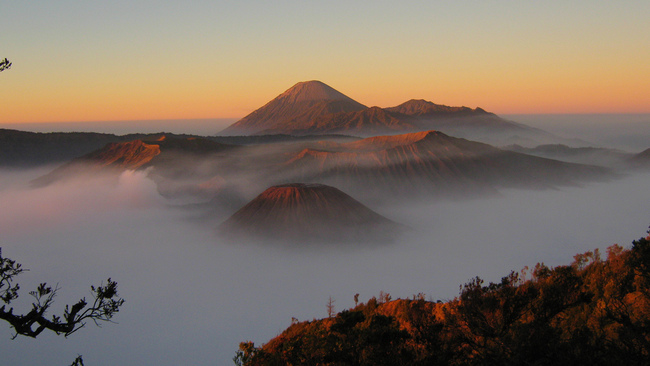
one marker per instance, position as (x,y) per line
(105,304)
(4,64)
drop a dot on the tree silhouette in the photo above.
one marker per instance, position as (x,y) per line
(330,307)
(4,64)
(104,305)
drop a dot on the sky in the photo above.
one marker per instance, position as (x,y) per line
(147,60)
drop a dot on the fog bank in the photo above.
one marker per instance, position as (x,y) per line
(190,299)
(628,132)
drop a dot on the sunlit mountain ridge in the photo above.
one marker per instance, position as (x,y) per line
(313,107)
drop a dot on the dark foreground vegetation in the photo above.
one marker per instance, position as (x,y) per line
(594,311)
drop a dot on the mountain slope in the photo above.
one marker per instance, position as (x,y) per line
(429,163)
(127,155)
(314,108)
(474,124)
(295,109)
(165,152)
(28,149)
(609,158)
(640,160)
(421,107)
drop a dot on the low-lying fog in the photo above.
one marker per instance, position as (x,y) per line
(190,299)
(627,132)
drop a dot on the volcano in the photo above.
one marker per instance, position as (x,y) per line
(295,109)
(305,213)
(427,163)
(314,108)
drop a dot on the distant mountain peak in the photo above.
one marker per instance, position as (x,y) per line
(297,108)
(420,107)
(313,107)
(313,90)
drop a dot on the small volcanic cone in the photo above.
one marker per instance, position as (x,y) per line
(309,212)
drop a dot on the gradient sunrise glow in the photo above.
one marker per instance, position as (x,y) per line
(131,60)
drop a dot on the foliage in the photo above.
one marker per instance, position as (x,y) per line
(4,64)
(593,311)
(245,353)
(104,305)
(79,361)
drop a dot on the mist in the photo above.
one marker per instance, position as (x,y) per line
(628,132)
(191,297)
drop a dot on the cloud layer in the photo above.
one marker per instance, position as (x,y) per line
(191,298)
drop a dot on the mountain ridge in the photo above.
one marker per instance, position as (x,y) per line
(313,107)
(419,107)
(428,163)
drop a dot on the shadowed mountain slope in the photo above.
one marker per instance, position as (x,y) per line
(375,169)
(28,149)
(22,149)
(368,122)
(610,158)
(303,213)
(640,160)
(116,157)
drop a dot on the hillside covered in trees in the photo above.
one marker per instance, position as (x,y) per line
(595,311)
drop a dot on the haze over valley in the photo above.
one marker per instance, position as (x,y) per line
(162,214)
(326,180)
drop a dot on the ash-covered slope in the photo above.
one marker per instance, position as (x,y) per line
(372,121)
(428,163)
(304,213)
(295,109)
(126,155)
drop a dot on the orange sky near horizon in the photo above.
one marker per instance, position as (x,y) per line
(128,61)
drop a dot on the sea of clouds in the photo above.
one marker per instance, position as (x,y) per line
(191,298)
